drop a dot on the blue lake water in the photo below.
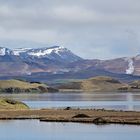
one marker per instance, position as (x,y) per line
(35,130)
(119,101)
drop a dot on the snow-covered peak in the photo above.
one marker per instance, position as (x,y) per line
(46,51)
(39,52)
(18,51)
(56,53)
(5,51)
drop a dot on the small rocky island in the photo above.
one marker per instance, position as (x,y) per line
(18,86)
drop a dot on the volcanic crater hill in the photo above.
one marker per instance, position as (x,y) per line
(100,83)
(18,86)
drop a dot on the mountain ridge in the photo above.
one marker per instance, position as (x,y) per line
(24,61)
(60,60)
(41,52)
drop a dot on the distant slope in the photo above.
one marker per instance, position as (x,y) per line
(124,65)
(81,74)
(95,84)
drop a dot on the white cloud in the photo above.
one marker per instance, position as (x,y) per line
(98,28)
(74,14)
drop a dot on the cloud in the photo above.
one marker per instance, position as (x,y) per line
(90,28)
(74,14)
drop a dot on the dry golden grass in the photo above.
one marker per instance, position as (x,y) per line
(12,104)
(18,84)
(98,116)
(99,83)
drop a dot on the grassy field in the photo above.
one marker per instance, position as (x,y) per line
(12,104)
(100,83)
(19,84)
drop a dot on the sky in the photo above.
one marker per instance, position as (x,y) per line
(95,29)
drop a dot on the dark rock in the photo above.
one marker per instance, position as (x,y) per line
(42,89)
(50,89)
(81,116)
(99,120)
(13,102)
(67,108)
(123,88)
(12,90)
(113,81)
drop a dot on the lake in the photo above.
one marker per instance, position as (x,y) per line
(119,101)
(35,130)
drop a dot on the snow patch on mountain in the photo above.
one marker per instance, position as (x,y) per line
(18,51)
(131,68)
(46,51)
(5,51)
(2,51)
(54,53)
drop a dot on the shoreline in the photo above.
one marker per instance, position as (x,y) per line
(93,116)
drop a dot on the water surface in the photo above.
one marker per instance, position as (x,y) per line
(35,130)
(119,101)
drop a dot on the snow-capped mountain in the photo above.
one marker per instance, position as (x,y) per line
(22,61)
(19,51)
(43,52)
(53,53)
(5,51)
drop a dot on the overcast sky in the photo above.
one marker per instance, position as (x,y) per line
(90,28)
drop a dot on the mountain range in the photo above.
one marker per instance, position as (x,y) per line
(57,61)
(24,61)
